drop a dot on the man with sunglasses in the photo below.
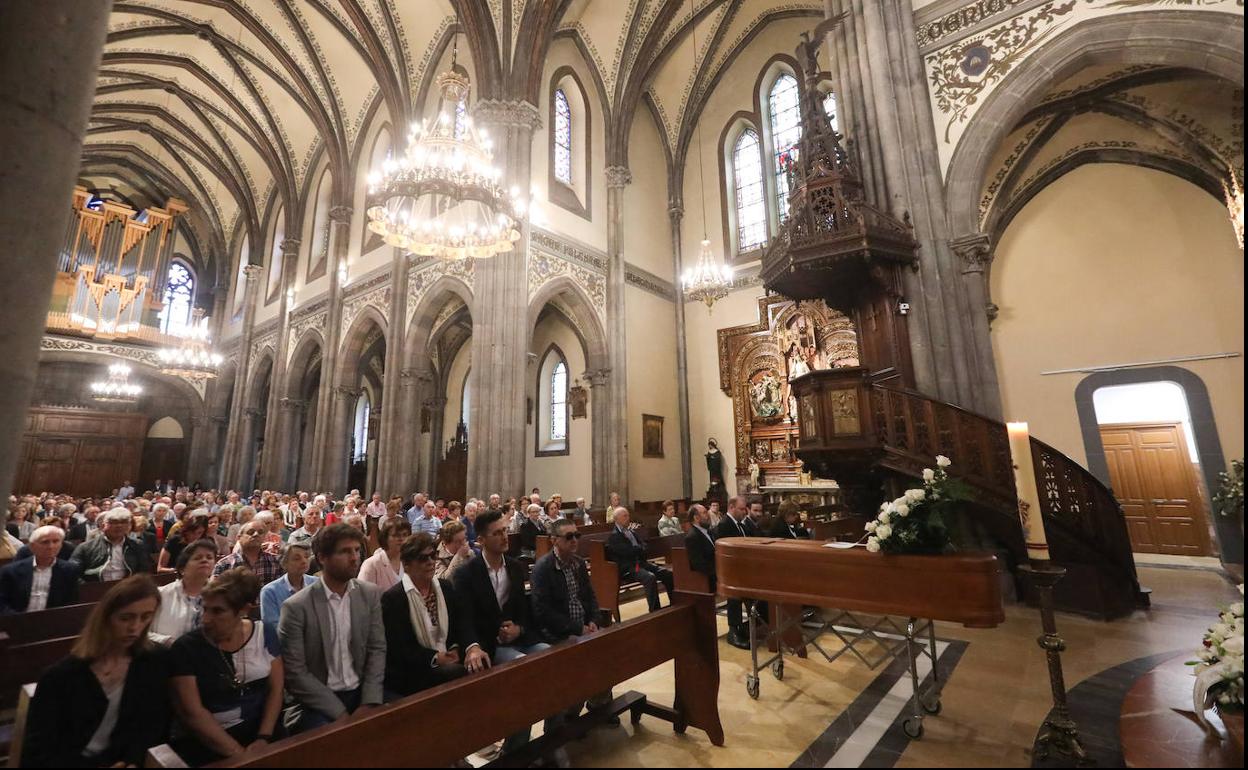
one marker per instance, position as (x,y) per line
(564,604)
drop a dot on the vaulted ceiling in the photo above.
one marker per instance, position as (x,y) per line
(233,105)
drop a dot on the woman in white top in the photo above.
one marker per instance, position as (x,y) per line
(181,604)
(25,527)
(383,569)
(227,687)
(668,523)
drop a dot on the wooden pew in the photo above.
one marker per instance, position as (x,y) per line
(544,546)
(684,632)
(604,574)
(94,591)
(19,725)
(686,578)
(47,624)
(26,662)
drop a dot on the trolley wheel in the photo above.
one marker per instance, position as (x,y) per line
(913,727)
(751,686)
(932,708)
(777,669)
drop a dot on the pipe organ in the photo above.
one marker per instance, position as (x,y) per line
(113,264)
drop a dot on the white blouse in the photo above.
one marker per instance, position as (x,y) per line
(178,614)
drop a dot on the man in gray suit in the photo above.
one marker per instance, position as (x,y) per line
(333,640)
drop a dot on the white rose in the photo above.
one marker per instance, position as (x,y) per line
(929,475)
(903,510)
(943,462)
(873,544)
(885,517)
(1236,609)
(883,532)
(1234,645)
(916,495)
(871,525)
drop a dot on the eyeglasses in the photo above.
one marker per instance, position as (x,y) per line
(572,537)
(425,558)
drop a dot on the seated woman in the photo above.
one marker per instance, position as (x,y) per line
(106,703)
(788,524)
(194,527)
(668,523)
(383,569)
(227,688)
(453,549)
(429,637)
(181,602)
(296,560)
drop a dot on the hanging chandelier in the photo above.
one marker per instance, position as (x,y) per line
(442,197)
(710,280)
(192,357)
(117,388)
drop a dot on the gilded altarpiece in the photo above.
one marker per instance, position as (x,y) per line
(756,362)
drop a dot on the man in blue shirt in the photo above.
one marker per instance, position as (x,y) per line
(426,519)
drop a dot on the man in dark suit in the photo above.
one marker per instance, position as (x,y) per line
(735,525)
(754,522)
(40,581)
(429,636)
(788,524)
(700,544)
(626,547)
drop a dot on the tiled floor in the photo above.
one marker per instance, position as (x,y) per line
(993,705)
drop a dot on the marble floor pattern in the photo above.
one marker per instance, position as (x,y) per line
(842,714)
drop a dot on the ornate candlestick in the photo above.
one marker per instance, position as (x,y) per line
(1059,731)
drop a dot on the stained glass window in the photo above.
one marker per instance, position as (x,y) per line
(747,176)
(829,109)
(559,402)
(179,299)
(786,130)
(563,138)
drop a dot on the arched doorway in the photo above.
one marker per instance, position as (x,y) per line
(361,370)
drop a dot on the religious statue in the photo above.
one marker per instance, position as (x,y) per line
(714,461)
(754,474)
(765,396)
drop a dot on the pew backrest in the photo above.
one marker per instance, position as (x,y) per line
(46,624)
(19,724)
(686,579)
(94,591)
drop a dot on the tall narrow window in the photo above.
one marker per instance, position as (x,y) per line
(829,109)
(559,402)
(747,176)
(240,278)
(786,130)
(175,317)
(563,138)
(359,435)
(276,255)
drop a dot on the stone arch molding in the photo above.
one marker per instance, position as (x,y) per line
(374,298)
(1209,41)
(429,278)
(576,305)
(546,269)
(86,351)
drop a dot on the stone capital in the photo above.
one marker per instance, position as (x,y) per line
(597,377)
(344,393)
(290,246)
(252,272)
(975,251)
(501,113)
(435,404)
(618,177)
(341,214)
(293,404)
(252,412)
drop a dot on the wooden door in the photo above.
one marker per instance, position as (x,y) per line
(1153,478)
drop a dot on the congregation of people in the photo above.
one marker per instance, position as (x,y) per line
(290,612)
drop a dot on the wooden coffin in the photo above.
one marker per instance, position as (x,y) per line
(959,588)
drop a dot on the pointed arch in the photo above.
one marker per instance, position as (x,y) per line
(572,300)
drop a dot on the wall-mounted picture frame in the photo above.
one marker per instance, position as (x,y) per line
(651,435)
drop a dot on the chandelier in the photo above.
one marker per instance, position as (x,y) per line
(117,388)
(192,357)
(710,280)
(442,196)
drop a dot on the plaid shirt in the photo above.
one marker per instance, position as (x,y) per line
(575,611)
(267,566)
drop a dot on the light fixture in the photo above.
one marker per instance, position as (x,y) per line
(710,280)
(192,357)
(117,388)
(442,197)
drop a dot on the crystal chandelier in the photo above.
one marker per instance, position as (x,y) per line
(442,196)
(117,388)
(192,357)
(710,280)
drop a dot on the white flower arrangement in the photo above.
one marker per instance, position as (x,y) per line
(914,522)
(1219,668)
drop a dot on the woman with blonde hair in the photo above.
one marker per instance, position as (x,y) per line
(106,703)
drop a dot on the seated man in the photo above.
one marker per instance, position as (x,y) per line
(700,545)
(249,552)
(114,555)
(332,638)
(788,524)
(564,604)
(429,636)
(627,549)
(41,581)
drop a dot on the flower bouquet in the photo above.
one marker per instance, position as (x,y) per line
(1220,667)
(916,522)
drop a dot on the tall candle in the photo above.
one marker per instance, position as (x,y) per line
(1028,495)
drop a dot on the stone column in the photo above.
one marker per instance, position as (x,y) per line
(335,479)
(389,441)
(675,213)
(600,406)
(246,479)
(413,384)
(235,440)
(277,429)
(198,458)
(975,251)
(49,55)
(339,239)
(885,108)
(616,457)
(496,430)
(429,468)
(290,412)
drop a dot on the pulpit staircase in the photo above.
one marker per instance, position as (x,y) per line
(879,438)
